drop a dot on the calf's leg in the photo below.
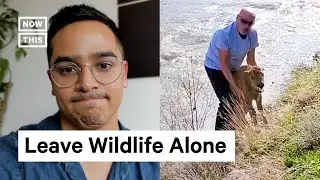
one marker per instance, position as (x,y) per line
(260,108)
(252,112)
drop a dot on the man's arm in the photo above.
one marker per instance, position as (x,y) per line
(225,68)
(251,60)
(222,45)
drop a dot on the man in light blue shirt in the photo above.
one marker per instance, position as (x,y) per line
(230,44)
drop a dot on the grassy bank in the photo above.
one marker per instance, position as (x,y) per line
(302,152)
(288,147)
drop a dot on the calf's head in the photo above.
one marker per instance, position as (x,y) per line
(256,78)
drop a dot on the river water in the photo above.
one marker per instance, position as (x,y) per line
(288,31)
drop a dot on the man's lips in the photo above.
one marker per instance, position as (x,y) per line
(90,102)
(89,99)
(92,96)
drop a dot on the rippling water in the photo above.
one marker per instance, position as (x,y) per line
(288,30)
(289,33)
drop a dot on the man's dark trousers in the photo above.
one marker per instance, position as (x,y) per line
(222,89)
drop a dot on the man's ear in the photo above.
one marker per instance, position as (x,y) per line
(125,74)
(52,92)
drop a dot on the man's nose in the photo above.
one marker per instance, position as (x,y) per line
(86,80)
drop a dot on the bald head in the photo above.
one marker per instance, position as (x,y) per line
(245,20)
(247,13)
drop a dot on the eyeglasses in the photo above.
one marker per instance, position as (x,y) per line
(243,21)
(105,71)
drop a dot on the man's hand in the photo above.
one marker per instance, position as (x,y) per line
(254,68)
(240,95)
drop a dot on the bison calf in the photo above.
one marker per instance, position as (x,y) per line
(251,82)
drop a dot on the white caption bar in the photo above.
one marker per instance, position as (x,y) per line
(129,146)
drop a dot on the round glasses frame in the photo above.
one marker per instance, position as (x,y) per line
(80,69)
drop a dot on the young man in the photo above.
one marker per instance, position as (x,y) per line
(229,45)
(88,72)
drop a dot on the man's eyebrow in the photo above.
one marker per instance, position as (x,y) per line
(101,54)
(65,59)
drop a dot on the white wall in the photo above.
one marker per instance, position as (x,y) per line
(141,104)
(31,101)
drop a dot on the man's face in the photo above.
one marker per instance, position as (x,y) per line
(88,104)
(245,22)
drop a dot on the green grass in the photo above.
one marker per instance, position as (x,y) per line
(301,154)
(303,163)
